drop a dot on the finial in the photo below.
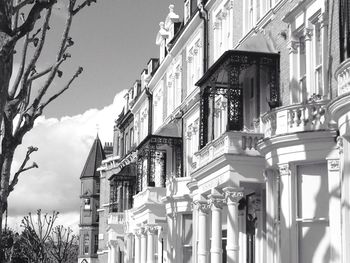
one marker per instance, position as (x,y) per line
(161,25)
(97,130)
(171,8)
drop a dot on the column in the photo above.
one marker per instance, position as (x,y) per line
(151,230)
(109,252)
(203,240)
(287,224)
(334,216)
(113,251)
(143,256)
(233,195)
(216,203)
(128,248)
(160,244)
(138,246)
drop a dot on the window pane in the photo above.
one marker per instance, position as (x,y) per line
(313,198)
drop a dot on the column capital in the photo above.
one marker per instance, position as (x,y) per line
(233,195)
(284,169)
(308,32)
(333,165)
(202,206)
(216,201)
(293,46)
(151,229)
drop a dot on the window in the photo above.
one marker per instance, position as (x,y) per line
(307,56)
(318,60)
(187,237)
(253,11)
(97,187)
(87,205)
(86,244)
(194,64)
(95,244)
(222,27)
(191,145)
(312,213)
(131,138)
(344,29)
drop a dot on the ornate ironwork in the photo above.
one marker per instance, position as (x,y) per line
(233,62)
(152,161)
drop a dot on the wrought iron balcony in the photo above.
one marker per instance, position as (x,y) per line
(343,77)
(150,195)
(232,142)
(116,218)
(295,118)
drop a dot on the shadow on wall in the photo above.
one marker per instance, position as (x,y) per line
(308,232)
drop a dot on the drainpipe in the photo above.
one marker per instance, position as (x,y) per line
(203,14)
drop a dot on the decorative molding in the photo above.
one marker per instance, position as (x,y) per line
(216,201)
(308,32)
(284,169)
(233,195)
(293,46)
(340,144)
(333,165)
(202,206)
(151,229)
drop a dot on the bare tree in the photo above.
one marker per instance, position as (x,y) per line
(21,24)
(63,245)
(36,234)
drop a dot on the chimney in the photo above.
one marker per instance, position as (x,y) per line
(108,148)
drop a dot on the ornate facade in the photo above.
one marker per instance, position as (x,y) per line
(235,142)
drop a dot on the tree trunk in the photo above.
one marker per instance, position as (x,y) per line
(6,52)
(5,179)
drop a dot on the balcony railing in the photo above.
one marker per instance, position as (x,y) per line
(343,77)
(116,218)
(295,118)
(232,142)
(149,195)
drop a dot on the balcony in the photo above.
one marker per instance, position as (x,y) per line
(151,195)
(343,77)
(295,118)
(232,142)
(116,218)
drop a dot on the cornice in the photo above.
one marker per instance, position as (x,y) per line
(286,140)
(339,106)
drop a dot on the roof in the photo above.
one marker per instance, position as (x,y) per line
(93,160)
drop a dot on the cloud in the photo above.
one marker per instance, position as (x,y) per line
(63,148)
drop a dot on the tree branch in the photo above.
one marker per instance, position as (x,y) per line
(77,73)
(16,8)
(31,65)
(32,17)
(14,88)
(82,5)
(23,167)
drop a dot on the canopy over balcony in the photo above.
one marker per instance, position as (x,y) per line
(241,79)
(151,160)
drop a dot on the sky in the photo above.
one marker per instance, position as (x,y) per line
(114,39)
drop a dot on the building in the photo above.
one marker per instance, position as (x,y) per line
(89,204)
(233,146)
